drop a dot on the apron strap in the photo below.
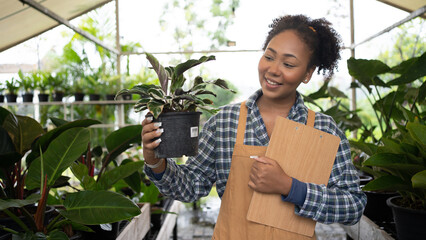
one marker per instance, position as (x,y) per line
(242,121)
(311,118)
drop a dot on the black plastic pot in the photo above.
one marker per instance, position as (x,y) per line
(27,97)
(1,98)
(42,97)
(409,223)
(94,97)
(180,136)
(376,209)
(78,97)
(57,96)
(109,97)
(11,98)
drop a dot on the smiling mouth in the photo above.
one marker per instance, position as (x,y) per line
(272,82)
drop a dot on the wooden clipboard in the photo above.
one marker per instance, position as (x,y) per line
(304,153)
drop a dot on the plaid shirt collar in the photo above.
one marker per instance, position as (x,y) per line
(298,111)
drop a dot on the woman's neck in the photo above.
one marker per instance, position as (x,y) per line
(279,107)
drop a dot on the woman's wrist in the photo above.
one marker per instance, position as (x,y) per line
(157,166)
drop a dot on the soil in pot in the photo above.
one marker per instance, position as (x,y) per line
(376,209)
(27,97)
(180,136)
(11,98)
(42,97)
(409,223)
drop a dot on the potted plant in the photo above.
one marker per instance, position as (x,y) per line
(66,143)
(111,86)
(12,87)
(27,85)
(78,89)
(175,107)
(59,85)
(42,85)
(398,158)
(1,92)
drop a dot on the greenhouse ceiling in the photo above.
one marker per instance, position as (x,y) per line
(20,22)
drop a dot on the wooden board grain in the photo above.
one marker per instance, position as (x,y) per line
(304,153)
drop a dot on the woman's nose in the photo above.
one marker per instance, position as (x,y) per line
(274,69)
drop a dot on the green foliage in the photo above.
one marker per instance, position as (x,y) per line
(398,159)
(12,85)
(27,83)
(174,98)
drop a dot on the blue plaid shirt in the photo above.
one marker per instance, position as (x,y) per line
(340,201)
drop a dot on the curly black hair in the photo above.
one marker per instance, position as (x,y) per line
(318,35)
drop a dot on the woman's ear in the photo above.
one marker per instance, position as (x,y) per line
(309,75)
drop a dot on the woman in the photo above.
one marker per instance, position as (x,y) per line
(295,47)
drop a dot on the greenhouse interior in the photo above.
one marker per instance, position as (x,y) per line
(119,119)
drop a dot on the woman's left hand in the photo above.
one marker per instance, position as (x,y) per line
(267,176)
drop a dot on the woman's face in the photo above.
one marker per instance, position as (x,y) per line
(283,66)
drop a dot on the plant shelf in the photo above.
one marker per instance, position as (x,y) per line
(139,226)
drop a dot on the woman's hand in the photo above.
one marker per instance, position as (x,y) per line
(150,131)
(267,176)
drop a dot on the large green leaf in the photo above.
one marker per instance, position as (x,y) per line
(17,203)
(393,161)
(81,172)
(419,180)
(388,182)
(47,138)
(366,71)
(122,139)
(60,154)
(418,132)
(22,131)
(367,148)
(118,173)
(98,207)
(134,180)
(410,70)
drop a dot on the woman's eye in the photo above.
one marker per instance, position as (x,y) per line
(268,57)
(288,65)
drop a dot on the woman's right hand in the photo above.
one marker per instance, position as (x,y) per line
(150,131)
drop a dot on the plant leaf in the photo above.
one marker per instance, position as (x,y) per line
(159,69)
(122,139)
(387,182)
(418,132)
(366,71)
(17,203)
(419,180)
(118,173)
(410,70)
(393,161)
(47,138)
(81,172)
(60,154)
(98,207)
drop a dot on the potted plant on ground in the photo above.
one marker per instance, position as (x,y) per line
(175,107)
(12,87)
(398,158)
